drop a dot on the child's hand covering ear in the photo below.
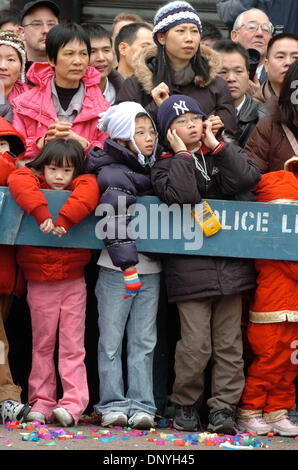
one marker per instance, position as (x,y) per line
(175,141)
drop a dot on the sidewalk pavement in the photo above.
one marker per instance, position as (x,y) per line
(113,442)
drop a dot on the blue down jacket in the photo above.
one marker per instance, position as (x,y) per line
(119,174)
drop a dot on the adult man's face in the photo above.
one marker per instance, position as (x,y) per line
(35,28)
(143,39)
(235,73)
(249,35)
(102,55)
(281,55)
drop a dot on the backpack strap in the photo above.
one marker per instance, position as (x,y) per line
(291,138)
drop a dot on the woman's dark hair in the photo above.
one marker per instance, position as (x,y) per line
(288,99)
(163,70)
(59,150)
(61,35)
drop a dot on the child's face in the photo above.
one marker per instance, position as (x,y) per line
(144,136)
(189,128)
(4,146)
(58,177)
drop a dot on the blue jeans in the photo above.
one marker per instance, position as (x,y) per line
(138,316)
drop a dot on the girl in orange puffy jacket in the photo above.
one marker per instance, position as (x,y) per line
(56,285)
(12,144)
(269,392)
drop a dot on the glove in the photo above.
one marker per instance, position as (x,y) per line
(132,283)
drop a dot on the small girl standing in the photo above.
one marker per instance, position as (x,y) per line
(56,285)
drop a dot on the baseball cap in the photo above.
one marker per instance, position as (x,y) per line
(31,5)
(175,106)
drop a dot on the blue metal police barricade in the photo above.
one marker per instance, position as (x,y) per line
(249,229)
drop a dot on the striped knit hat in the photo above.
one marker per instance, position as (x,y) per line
(172,14)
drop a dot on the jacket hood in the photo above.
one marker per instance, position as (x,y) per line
(15,139)
(291,164)
(277,186)
(144,62)
(41,72)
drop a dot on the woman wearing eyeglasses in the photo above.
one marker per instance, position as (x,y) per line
(66,100)
(178,64)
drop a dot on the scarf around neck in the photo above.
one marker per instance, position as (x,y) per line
(183,77)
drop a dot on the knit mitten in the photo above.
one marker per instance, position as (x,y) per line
(132,283)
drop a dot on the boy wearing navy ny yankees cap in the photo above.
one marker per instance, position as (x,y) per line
(207,289)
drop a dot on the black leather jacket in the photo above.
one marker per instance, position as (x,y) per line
(249,115)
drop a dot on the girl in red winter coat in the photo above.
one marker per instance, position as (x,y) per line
(56,284)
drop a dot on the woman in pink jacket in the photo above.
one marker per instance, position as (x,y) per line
(65,101)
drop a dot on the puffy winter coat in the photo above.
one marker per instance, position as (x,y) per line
(11,279)
(34,110)
(268,146)
(276,297)
(18,89)
(214,95)
(119,174)
(176,179)
(46,263)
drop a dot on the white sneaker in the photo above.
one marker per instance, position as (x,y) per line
(141,420)
(257,425)
(114,418)
(63,417)
(11,410)
(285,427)
(36,416)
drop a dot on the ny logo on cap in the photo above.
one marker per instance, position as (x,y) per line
(181,106)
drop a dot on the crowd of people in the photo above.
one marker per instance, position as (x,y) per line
(170,109)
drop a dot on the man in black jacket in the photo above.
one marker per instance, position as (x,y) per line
(235,71)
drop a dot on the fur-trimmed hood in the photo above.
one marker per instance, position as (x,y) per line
(143,64)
